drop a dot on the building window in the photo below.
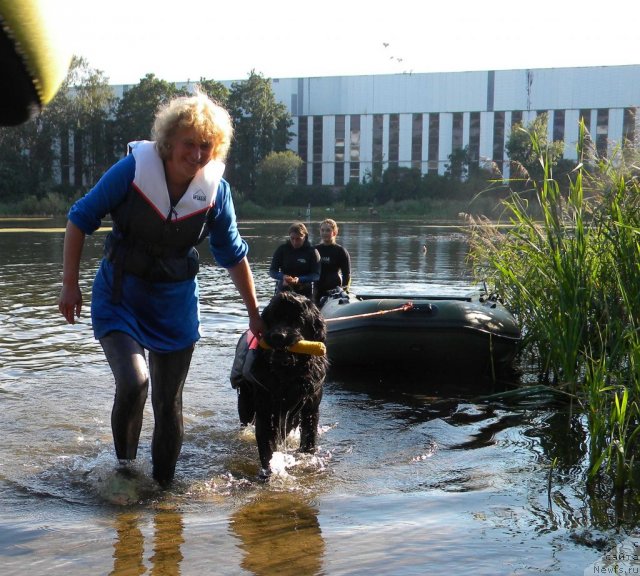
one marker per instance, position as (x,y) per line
(434,142)
(338,171)
(585,116)
(558,125)
(456,132)
(474,140)
(629,127)
(498,139)
(516,118)
(303,142)
(378,123)
(354,149)
(394,139)
(602,132)
(317,150)
(416,141)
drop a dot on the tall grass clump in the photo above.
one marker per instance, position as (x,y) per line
(571,275)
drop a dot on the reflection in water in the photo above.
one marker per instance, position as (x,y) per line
(280,535)
(128,547)
(420,472)
(166,543)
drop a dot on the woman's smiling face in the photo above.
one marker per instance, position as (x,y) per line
(189,153)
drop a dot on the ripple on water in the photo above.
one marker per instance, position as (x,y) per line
(408,477)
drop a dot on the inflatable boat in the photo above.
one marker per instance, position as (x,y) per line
(471,334)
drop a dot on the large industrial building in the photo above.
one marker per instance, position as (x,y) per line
(348,126)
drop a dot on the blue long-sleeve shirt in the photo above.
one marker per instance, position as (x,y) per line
(161,316)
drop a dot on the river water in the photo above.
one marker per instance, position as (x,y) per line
(411,477)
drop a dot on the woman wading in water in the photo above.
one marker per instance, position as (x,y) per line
(164,197)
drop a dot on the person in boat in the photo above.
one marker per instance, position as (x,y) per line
(335,262)
(164,197)
(295,265)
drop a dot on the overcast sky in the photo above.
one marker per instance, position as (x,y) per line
(186,40)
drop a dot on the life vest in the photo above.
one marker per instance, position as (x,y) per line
(150,183)
(151,238)
(241,370)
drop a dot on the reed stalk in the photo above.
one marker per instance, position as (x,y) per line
(572,278)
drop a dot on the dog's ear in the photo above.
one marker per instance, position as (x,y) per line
(315,321)
(266,313)
(320,328)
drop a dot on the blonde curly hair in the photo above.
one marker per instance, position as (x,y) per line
(211,121)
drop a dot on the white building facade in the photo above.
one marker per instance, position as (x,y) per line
(348,126)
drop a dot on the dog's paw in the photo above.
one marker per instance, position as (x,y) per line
(265,474)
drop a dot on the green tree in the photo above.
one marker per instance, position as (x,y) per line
(217,91)
(261,126)
(81,118)
(356,194)
(137,108)
(27,151)
(16,176)
(276,176)
(458,166)
(399,183)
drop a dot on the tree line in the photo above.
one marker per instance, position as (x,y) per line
(63,151)
(57,156)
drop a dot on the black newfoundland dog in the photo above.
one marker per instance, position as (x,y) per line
(279,379)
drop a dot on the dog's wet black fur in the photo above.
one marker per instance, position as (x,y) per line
(285,388)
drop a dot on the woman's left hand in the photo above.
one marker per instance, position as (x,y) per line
(257,326)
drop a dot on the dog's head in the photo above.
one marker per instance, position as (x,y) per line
(289,318)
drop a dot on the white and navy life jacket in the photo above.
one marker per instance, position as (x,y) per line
(152,238)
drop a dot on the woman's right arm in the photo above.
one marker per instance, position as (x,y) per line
(84,217)
(70,302)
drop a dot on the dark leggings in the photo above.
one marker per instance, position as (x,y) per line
(167,373)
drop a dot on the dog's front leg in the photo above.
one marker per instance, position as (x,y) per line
(309,420)
(265,439)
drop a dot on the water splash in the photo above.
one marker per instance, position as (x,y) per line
(124,484)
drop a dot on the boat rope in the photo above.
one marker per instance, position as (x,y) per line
(403,308)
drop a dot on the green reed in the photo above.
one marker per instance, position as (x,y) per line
(571,275)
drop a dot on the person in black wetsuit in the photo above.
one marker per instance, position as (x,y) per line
(296,264)
(335,262)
